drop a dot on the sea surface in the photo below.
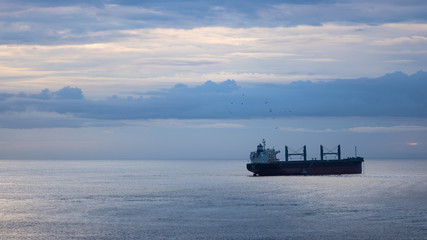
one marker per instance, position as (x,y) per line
(208,200)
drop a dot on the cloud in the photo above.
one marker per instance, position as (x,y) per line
(190,124)
(401,40)
(52,22)
(402,128)
(132,58)
(370,12)
(362,129)
(36,119)
(306,130)
(69,93)
(397,95)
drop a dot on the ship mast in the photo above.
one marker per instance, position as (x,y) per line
(295,153)
(338,152)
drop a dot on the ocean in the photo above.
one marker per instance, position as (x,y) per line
(204,199)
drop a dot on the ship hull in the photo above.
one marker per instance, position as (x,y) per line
(312,167)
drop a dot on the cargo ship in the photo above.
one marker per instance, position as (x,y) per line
(264,162)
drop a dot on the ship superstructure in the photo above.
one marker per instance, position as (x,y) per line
(264,155)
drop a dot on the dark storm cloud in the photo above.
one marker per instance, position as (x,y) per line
(53,22)
(394,94)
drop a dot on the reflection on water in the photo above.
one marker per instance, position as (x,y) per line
(208,200)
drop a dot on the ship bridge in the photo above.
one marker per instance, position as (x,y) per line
(263,154)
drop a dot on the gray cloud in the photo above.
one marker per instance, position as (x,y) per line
(368,12)
(53,22)
(395,94)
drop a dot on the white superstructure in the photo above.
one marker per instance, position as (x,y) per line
(264,155)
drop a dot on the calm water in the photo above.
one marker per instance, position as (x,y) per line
(208,200)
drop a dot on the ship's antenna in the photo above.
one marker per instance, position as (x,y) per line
(263,142)
(355,151)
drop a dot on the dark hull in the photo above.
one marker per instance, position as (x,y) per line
(312,167)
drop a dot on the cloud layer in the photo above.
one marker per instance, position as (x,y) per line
(397,95)
(135,58)
(31,21)
(105,45)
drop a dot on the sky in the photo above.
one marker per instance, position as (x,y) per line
(166,79)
